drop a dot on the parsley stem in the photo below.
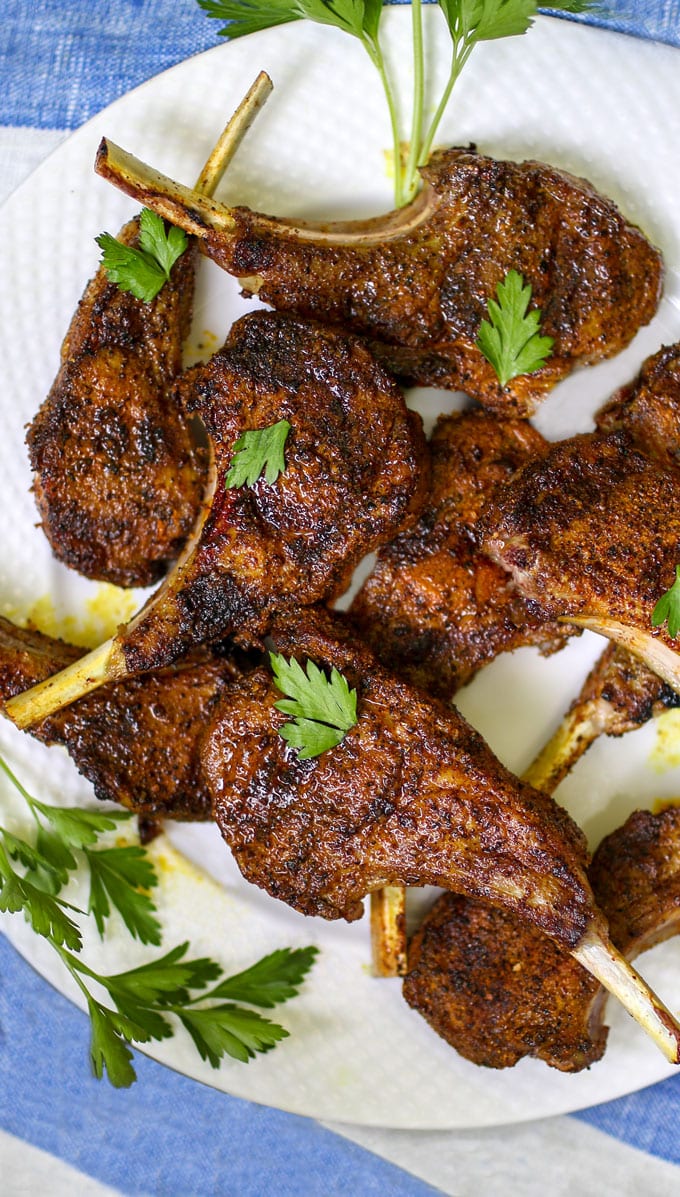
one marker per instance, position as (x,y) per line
(376,56)
(6,869)
(75,967)
(16,783)
(458,61)
(410,180)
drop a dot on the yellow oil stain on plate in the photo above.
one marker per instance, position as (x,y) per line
(98,619)
(665,753)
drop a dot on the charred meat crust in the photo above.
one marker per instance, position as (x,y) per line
(636,874)
(411,796)
(136,741)
(591,527)
(434,608)
(648,409)
(497,989)
(118,476)
(625,693)
(419,295)
(357,472)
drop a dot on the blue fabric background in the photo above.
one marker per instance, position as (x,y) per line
(166,1135)
(61,63)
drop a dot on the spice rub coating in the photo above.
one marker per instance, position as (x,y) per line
(118,476)
(416,285)
(590,529)
(434,608)
(648,409)
(356,474)
(136,741)
(619,695)
(636,874)
(497,989)
(411,796)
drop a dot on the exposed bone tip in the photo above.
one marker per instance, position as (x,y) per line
(605,962)
(388,931)
(104,664)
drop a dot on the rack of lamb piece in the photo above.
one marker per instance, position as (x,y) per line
(356,474)
(411,796)
(137,741)
(590,531)
(415,283)
(497,989)
(434,609)
(118,473)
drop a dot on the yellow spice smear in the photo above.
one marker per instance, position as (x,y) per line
(101,614)
(201,347)
(666,751)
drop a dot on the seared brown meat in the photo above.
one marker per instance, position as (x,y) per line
(649,408)
(356,474)
(137,741)
(416,282)
(497,989)
(636,875)
(591,531)
(118,476)
(435,609)
(619,695)
(411,796)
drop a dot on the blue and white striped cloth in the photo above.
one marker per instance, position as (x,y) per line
(64,1133)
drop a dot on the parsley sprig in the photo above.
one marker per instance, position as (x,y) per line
(667,610)
(120,877)
(324,709)
(510,339)
(144,271)
(469,22)
(258,452)
(147,1001)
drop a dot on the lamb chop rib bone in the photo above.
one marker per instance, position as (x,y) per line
(106,663)
(356,474)
(618,695)
(415,283)
(412,796)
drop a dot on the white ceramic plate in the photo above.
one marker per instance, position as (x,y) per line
(592,102)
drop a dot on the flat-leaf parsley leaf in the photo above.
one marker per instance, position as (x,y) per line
(667,610)
(258,452)
(144,999)
(144,271)
(510,340)
(324,709)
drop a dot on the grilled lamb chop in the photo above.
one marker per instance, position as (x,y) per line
(356,474)
(497,989)
(648,409)
(636,875)
(415,283)
(619,695)
(435,609)
(118,474)
(591,533)
(136,741)
(411,796)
